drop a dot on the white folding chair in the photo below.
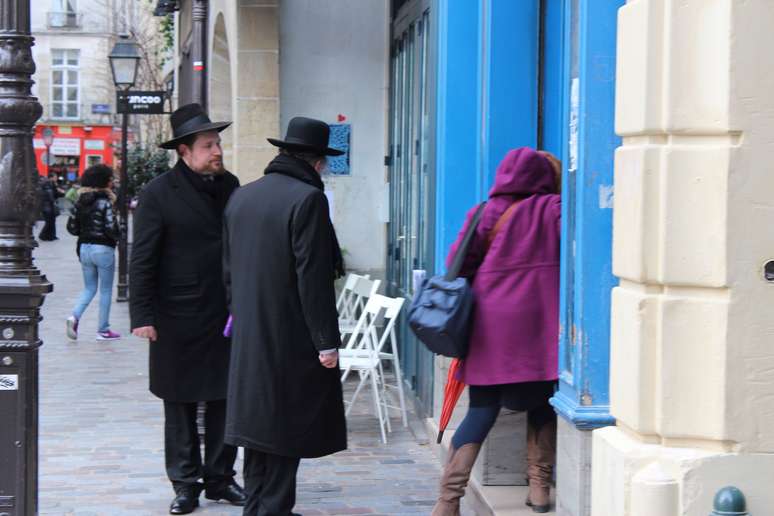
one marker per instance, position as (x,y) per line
(392,308)
(363,289)
(364,354)
(345,304)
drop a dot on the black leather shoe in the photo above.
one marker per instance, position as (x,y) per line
(186,501)
(231,492)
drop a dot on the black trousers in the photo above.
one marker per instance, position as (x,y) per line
(49,227)
(182,449)
(270,482)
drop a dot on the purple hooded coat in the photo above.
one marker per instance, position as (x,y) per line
(515,328)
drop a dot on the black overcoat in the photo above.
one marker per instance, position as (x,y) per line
(279,267)
(175,281)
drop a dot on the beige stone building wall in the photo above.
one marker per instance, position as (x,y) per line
(692,346)
(243,78)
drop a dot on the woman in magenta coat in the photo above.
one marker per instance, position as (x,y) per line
(512,360)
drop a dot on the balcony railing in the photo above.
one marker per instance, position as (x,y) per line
(64,20)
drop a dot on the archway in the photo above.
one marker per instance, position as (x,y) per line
(221,99)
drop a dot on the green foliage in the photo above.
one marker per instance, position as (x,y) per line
(168,32)
(143,164)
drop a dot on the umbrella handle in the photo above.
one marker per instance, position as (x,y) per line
(440,437)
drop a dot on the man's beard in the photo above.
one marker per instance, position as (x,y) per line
(215,167)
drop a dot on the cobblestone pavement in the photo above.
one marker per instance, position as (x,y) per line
(101,450)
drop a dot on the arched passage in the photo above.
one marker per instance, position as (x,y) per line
(221,98)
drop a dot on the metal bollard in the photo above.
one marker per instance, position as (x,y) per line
(729,501)
(22,286)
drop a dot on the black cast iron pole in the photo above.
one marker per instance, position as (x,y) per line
(123,283)
(22,286)
(199,52)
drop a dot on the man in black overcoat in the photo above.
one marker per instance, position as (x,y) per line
(178,302)
(280,261)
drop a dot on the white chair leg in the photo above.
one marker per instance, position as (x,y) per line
(399,381)
(378,404)
(382,381)
(345,374)
(357,391)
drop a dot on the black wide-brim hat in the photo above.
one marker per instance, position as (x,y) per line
(187,120)
(307,135)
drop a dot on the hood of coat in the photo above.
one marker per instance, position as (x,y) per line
(88,196)
(524,172)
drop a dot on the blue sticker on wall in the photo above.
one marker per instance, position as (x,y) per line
(340,140)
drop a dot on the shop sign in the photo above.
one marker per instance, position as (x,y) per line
(141,102)
(66,147)
(94,144)
(37,143)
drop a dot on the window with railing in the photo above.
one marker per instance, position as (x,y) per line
(65,84)
(63,15)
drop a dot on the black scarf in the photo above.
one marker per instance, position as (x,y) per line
(303,171)
(211,185)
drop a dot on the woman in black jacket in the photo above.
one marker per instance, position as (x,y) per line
(93,221)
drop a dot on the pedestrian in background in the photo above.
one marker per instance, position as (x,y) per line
(49,193)
(72,193)
(178,303)
(280,258)
(94,222)
(513,263)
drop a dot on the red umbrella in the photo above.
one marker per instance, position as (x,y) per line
(451,394)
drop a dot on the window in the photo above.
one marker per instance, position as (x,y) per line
(65,91)
(63,14)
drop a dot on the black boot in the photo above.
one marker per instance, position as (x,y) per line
(230,492)
(186,501)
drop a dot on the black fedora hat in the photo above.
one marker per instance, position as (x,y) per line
(307,135)
(187,120)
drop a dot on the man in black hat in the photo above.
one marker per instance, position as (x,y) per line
(178,303)
(284,395)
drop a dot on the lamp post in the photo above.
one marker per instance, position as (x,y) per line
(22,287)
(124,59)
(48,140)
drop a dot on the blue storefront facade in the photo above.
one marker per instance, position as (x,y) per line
(471,80)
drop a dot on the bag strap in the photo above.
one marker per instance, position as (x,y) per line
(505,217)
(462,250)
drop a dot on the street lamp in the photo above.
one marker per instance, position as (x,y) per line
(48,140)
(124,60)
(22,286)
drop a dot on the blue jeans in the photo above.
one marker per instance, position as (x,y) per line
(99,266)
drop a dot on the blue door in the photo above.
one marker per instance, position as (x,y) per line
(589,146)
(409,244)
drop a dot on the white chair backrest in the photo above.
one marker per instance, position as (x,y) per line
(365,336)
(346,304)
(365,287)
(391,307)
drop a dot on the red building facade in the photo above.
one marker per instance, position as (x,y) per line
(75,148)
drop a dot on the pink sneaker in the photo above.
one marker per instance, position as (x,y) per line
(108,335)
(72,328)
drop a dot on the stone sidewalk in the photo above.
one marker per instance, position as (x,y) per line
(101,450)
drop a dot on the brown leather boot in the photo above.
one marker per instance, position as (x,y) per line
(455,478)
(541,457)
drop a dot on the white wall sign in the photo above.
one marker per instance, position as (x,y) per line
(66,147)
(94,144)
(9,382)
(37,143)
(574,113)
